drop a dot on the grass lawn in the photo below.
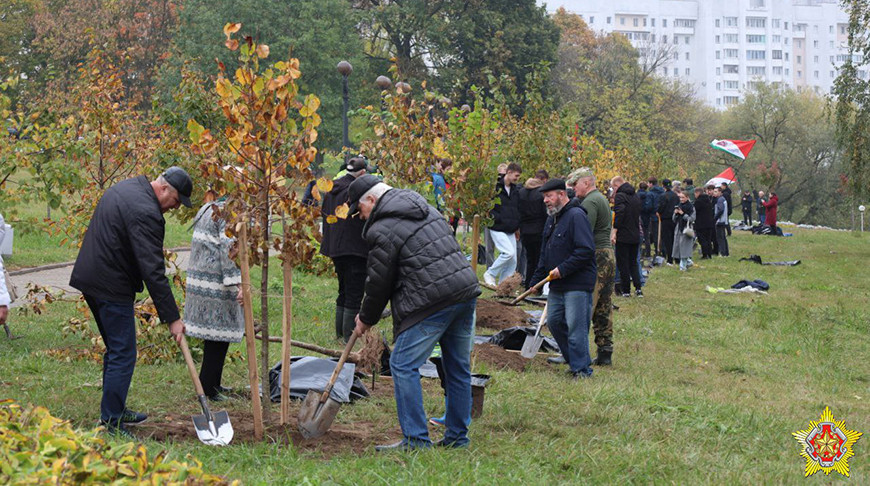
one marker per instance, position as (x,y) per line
(705,388)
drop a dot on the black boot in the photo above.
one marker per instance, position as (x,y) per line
(349,323)
(339,322)
(603,358)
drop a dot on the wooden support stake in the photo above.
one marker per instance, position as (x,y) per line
(250,343)
(475,237)
(286,341)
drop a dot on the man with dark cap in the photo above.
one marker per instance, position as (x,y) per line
(568,256)
(415,263)
(123,247)
(665,210)
(343,243)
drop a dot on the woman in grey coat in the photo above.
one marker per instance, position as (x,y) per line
(684,215)
(211,309)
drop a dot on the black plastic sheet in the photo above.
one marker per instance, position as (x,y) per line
(310,373)
(514,337)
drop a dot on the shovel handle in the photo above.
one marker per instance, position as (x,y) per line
(190,367)
(541,322)
(338,367)
(529,292)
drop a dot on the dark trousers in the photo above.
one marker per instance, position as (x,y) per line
(647,236)
(747,217)
(722,239)
(351,271)
(626,261)
(705,239)
(654,233)
(214,353)
(667,248)
(117,326)
(532,246)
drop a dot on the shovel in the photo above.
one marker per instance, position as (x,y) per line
(533,343)
(528,292)
(211,428)
(319,409)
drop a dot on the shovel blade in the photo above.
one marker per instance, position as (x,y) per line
(315,417)
(531,346)
(217,432)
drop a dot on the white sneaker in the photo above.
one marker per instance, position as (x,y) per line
(488,279)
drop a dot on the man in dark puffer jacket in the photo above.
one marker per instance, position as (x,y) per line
(415,263)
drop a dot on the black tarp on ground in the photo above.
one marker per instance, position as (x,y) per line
(310,373)
(757,259)
(514,337)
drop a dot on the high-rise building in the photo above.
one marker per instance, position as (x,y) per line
(723,48)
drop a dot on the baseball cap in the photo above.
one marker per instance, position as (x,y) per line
(357,188)
(181,181)
(356,164)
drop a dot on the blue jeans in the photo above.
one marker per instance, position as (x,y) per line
(453,328)
(117,326)
(506,263)
(568,315)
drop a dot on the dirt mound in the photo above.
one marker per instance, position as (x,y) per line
(509,286)
(493,315)
(498,357)
(355,437)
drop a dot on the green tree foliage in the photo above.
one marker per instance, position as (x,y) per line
(319,33)
(795,154)
(853,99)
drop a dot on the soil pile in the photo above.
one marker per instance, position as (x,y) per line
(498,357)
(493,315)
(509,286)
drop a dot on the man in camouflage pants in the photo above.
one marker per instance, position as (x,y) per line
(600,219)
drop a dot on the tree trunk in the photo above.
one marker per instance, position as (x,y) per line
(475,237)
(285,341)
(250,345)
(264,312)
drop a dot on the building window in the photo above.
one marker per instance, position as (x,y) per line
(831,74)
(830,29)
(717,55)
(786,41)
(843,29)
(687,56)
(689,23)
(785,25)
(774,23)
(776,54)
(776,39)
(644,21)
(786,56)
(755,70)
(652,21)
(815,44)
(756,3)
(664,39)
(592,19)
(608,20)
(718,86)
(831,44)
(718,101)
(730,21)
(731,69)
(731,100)
(731,85)
(717,23)
(816,74)
(718,71)
(816,29)
(635,22)
(687,40)
(717,39)
(664,22)
(816,59)
(687,71)
(787,72)
(665,71)
(653,37)
(676,72)
(755,39)
(755,55)
(621,20)
(731,53)
(777,70)
(676,56)
(799,43)
(799,59)
(756,22)
(676,40)
(832,59)
(732,38)
(800,74)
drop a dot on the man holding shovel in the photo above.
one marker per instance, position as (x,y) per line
(415,263)
(568,255)
(123,247)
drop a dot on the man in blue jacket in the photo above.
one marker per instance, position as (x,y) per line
(568,255)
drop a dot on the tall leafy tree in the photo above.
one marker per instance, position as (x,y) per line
(853,99)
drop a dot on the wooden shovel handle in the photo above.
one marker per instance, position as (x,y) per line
(529,292)
(190,367)
(338,367)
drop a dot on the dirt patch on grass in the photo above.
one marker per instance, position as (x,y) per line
(498,357)
(493,315)
(354,437)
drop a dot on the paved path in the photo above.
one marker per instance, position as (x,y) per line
(57,275)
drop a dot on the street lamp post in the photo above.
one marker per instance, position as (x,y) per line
(344,68)
(384,83)
(861,208)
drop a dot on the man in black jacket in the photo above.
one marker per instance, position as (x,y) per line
(568,255)
(122,247)
(343,243)
(746,205)
(650,218)
(667,203)
(626,234)
(415,263)
(533,215)
(705,224)
(505,224)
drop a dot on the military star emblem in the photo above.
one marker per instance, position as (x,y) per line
(827,445)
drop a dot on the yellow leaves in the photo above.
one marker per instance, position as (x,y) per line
(342,211)
(244,76)
(195,131)
(232,44)
(262,51)
(223,87)
(439,150)
(231,28)
(312,103)
(331,219)
(324,184)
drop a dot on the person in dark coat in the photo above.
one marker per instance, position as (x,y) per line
(689,189)
(415,263)
(720,214)
(650,208)
(343,242)
(746,206)
(665,210)
(726,193)
(626,234)
(568,255)
(533,215)
(643,194)
(705,223)
(122,247)
(505,225)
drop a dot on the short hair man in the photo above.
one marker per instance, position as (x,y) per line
(568,255)
(415,263)
(343,243)
(720,215)
(123,246)
(600,217)
(505,226)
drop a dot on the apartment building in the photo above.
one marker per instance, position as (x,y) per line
(723,48)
